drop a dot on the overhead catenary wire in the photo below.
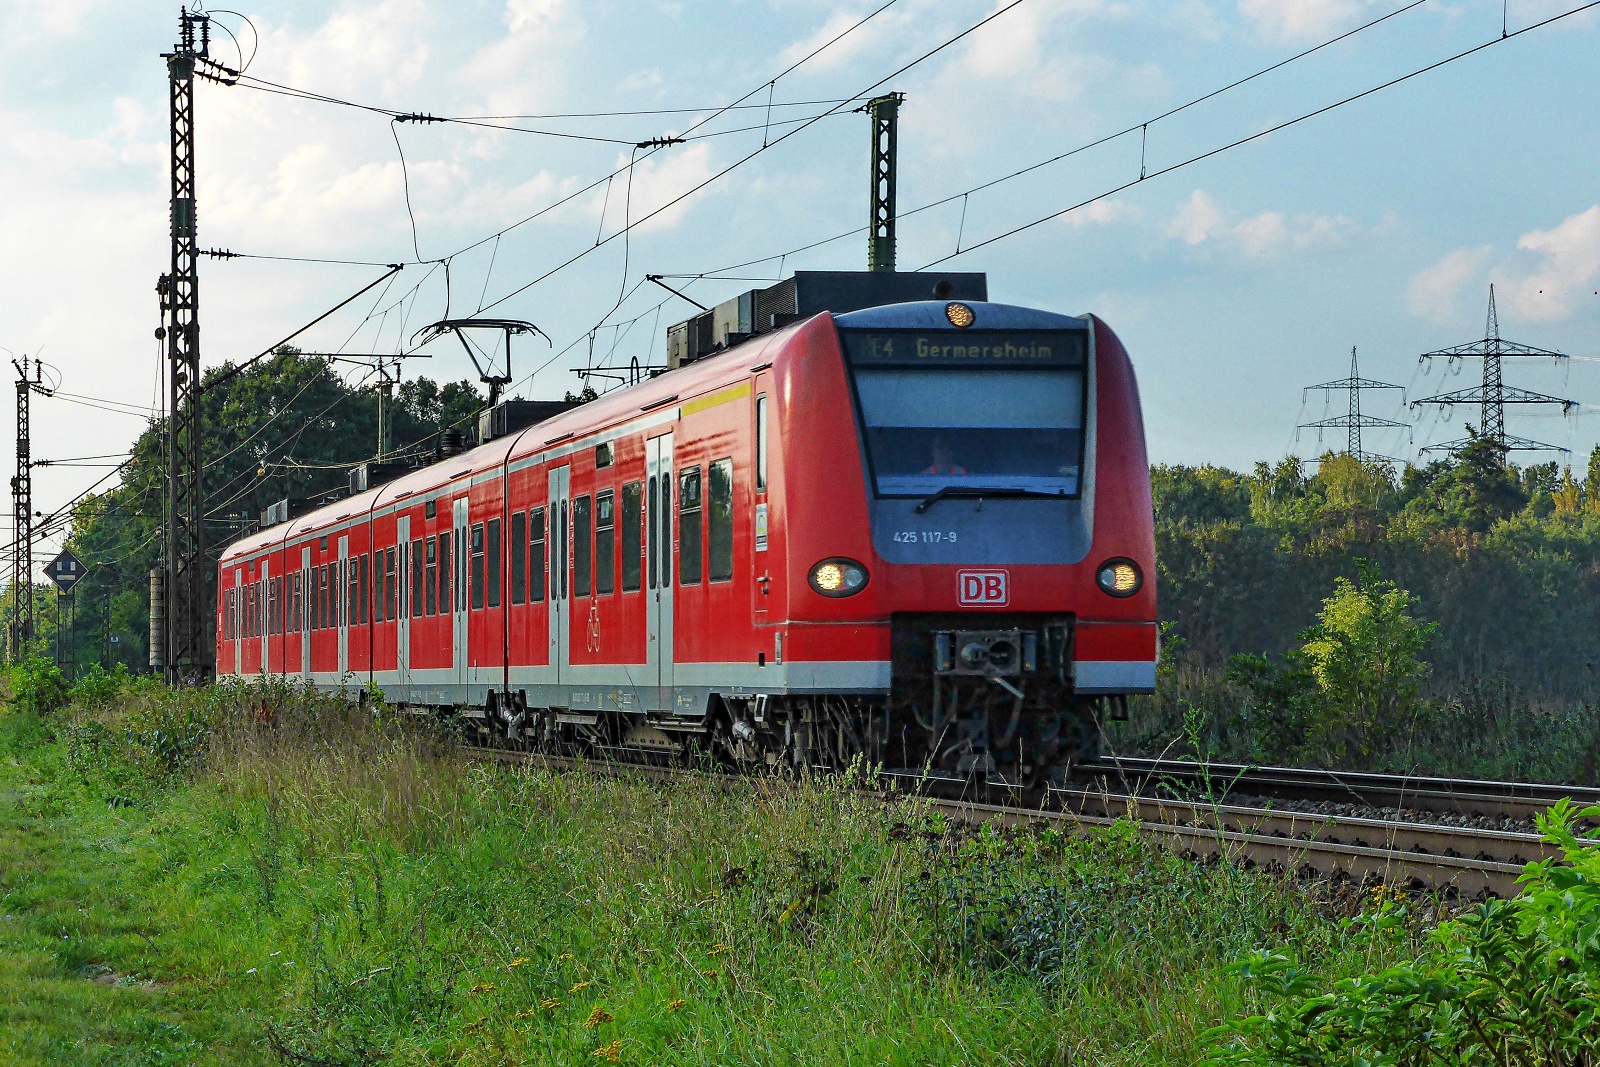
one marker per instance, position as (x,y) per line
(1139,127)
(1259,134)
(736,164)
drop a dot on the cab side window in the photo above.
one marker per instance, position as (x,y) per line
(689,526)
(720,520)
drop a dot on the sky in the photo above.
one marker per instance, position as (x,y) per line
(1235,281)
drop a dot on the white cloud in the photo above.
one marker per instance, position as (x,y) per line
(657,181)
(1201,219)
(521,71)
(1556,268)
(1569,256)
(1296,20)
(1435,291)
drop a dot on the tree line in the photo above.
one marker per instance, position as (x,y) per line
(289,426)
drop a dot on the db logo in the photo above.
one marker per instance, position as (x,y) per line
(988,588)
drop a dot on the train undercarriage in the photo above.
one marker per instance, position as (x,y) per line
(994,704)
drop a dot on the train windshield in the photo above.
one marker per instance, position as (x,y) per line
(959,413)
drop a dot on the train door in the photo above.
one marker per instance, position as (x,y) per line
(306,594)
(236,609)
(266,616)
(760,558)
(560,613)
(459,561)
(659,488)
(340,601)
(402,625)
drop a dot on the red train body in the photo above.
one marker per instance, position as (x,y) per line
(748,551)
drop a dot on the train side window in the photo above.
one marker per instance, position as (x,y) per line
(536,555)
(476,576)
(761,441)
(519,557)
(391,582)
(444,573)
(558,569)
(720,520)
(494,563)
(653,541)
(605,543)
(632,537)
(363,590)
(688,526)
(666,526)
(430,580)
(582,548)
(352,590)
(417,586)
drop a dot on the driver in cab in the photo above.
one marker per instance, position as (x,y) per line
(943,460)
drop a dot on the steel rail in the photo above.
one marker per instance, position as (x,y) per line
(1453,796)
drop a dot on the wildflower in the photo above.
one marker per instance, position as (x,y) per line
(718,949)
(549,1003)
(518,962)
(564,956)
(483,987)
(526,1013)
(674,1005)
(611,1053)
(597,1017)
(578,987)
(711,973)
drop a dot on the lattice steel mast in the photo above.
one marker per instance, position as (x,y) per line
(1355,421)
(22,620)
(188,641)
(1493,395)
(884,111)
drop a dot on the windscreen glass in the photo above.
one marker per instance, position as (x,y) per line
(970,410)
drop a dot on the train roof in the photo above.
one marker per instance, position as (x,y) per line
(622,405)
(619,405)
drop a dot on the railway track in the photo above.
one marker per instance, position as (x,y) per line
(1467,861)
(1418,798)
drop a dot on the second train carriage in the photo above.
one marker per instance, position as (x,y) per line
(920,532)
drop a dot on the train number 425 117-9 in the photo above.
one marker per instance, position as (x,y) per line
(925,537)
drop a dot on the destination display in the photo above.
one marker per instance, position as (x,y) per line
(924,348)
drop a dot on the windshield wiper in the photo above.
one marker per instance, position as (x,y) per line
(985,491)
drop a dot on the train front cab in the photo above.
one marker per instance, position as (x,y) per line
(968,533)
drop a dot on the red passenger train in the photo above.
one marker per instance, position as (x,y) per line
(919,532)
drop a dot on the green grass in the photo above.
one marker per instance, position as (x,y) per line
(323,889)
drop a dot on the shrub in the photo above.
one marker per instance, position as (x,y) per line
(1365,656)
(1511,982)
(37,685)
(100,688)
